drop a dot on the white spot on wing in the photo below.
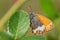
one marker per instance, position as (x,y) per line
(39,28)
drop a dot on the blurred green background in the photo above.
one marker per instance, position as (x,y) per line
(49,8)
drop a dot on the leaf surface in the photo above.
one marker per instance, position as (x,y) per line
(33,37)
(19,24)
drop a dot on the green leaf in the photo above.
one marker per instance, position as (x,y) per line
(19,24)
(49,9)
(34,37)
(5,36)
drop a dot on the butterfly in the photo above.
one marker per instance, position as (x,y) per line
(40,23)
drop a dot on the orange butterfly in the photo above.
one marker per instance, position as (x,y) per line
(40,23)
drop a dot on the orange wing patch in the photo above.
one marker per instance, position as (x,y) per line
(48,23)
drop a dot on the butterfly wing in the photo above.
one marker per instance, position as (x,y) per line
(36,24)
(47,22)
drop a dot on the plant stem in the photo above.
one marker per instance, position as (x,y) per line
(11,11)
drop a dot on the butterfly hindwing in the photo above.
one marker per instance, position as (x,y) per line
(36,24)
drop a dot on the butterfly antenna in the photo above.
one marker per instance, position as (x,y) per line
(30,10)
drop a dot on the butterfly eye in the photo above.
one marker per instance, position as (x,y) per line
(51,24)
